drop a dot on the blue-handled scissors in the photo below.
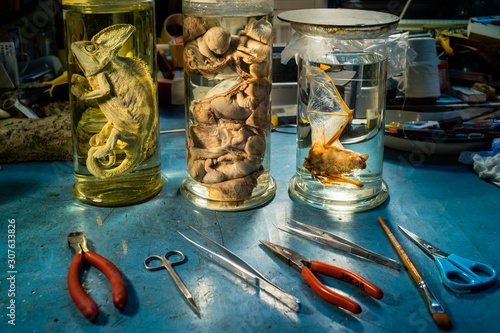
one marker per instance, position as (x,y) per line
(458,274)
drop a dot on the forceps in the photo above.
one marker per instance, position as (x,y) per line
(169,266)
(239,267)
(458,274)
(342,244)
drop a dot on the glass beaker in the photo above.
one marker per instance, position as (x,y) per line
(227,70)
(341,109)
(113,97)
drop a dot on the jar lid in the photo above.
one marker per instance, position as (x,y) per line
(346,23)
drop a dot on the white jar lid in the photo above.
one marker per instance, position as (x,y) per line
(343,23)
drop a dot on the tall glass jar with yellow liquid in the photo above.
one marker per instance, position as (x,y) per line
(113,96)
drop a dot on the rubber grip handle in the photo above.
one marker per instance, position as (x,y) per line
(329,295)
(82,301)
(118,286)
(348,276)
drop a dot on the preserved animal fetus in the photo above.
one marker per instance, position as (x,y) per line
(227,142)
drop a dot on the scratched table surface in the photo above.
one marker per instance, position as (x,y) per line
(436,197)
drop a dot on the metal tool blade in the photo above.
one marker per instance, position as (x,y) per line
(193,304)
(78,242)
(343,244)
(182,287)
(289,257)
(424,245)
(236,259)
(289,300)
(324,233)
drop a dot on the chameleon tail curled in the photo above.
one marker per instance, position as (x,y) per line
(127,165)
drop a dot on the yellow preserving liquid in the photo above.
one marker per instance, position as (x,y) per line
(113,97)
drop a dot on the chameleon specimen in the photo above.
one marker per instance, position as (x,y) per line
(124,90)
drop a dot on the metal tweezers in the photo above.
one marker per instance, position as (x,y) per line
(239,267)
(339,243)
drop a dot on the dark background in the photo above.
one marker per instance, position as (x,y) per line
(14,12)
(46,29)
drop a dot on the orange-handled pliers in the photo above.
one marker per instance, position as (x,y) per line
(307,266)
(83,302)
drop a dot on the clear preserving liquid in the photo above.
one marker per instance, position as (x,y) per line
(121,39)
(359,80)
(228,111)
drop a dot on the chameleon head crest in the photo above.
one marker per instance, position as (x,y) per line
(94,55)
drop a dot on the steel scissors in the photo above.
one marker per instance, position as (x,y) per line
(168,264)
(307,266)
(458,274)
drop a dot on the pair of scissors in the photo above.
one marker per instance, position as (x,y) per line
(457,273)
(307,266)
(166,263)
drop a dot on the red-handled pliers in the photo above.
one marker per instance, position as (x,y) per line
(83,302)
(307,266)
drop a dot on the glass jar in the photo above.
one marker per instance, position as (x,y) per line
(113,98)
(341,108)
(227,70)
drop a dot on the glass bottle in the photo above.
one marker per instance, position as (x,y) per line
(227,70)
(342,73)
(113,97)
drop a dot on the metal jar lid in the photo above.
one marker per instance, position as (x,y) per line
(340,23)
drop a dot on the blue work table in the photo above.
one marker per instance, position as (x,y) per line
(436,197)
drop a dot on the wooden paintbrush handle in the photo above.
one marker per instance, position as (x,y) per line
(408,263)
(437,311)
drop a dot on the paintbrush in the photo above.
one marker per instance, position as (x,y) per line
(440,317)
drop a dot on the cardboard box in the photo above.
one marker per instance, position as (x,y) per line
(484,28)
